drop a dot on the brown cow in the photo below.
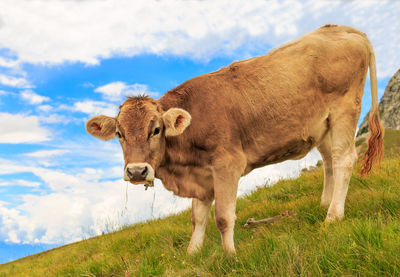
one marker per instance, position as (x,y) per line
(200,137)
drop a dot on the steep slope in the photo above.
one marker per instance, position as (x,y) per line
(389,107)
(365,243)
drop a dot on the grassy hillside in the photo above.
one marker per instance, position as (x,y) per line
(366,242)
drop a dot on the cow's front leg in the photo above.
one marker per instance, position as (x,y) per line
(225,216)
(225,192)
(200,215)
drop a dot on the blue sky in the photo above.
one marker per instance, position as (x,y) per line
(62,62)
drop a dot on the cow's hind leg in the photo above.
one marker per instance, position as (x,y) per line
(325,148)
(344,155)
(200,215)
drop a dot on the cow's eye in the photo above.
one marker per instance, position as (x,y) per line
(118,134)
(156,131)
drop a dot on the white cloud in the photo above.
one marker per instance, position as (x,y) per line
(3,203)
(8,63)
(47,153)
(55,118)
(116,91)
(108,153)
(20,128)
(47,157)
(45,108)
(11,81)
(87,31)
(8,93)
(91,107)
(20,183)
(112,91)
(94,206)
(33,98)
(8,167)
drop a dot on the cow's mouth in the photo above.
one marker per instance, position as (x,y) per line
(146,183)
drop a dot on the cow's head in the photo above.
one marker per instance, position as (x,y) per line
(141,127)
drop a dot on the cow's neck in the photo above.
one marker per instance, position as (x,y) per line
(182,174)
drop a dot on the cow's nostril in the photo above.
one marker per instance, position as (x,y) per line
(145,171)
(129,173)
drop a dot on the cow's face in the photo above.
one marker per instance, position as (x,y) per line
(141,127)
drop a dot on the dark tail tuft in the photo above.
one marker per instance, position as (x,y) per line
(374,152)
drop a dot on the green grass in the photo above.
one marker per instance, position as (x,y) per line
(365,243)
(392,142)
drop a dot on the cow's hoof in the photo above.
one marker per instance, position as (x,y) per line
(193,249)
(330,218)
(231,252)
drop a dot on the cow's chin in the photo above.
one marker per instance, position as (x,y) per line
(149,183)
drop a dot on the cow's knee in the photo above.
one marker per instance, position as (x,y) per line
(222,224)
(225,221)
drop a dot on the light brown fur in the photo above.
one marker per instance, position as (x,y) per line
(304,94)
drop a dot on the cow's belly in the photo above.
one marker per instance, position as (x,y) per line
(291,150)
(274,149)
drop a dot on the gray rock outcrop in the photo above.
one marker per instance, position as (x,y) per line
(389,106)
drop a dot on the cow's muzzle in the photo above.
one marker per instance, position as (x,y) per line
(139,173)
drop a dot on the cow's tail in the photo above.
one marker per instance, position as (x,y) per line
(374,151)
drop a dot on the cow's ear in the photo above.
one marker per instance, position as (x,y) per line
(101,126)
(176,121)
